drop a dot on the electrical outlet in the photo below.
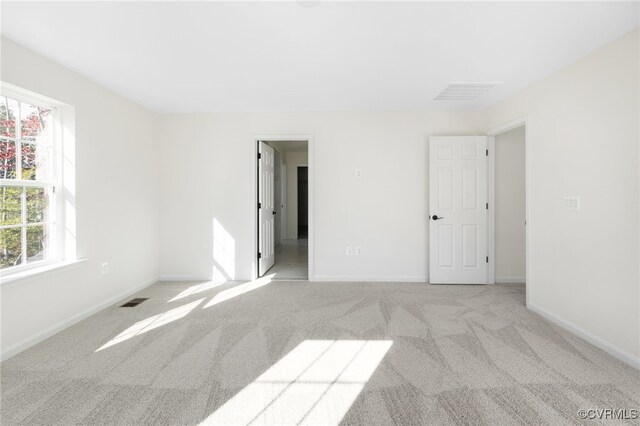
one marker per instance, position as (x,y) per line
(358,251)
(104,268)
(349,251)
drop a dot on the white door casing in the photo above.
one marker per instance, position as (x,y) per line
(266,208)
(458,197)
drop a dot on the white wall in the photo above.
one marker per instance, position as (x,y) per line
(510,202)
(294,159)
(584,141)
(117,200)
(385,211)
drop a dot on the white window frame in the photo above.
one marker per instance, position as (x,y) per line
(55,244)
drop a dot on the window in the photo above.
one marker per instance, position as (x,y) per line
(28,184)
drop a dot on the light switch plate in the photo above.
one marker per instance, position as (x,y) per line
(572,203)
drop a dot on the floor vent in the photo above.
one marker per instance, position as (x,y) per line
(465,91)
(134,302)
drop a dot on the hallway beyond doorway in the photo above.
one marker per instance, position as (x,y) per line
(291,260)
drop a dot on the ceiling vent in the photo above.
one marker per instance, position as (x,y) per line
(465,91)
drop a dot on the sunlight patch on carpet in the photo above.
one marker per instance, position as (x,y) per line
(150,323)
(198,288)
(314,384)
(236,291)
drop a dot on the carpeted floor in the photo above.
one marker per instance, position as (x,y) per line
(314,353)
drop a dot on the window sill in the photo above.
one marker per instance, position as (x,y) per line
(28,275)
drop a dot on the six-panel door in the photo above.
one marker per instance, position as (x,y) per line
(266,209)
(457,210)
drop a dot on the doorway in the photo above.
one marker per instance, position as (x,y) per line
(478,192)
(508,192)
(303,202)
(291,217)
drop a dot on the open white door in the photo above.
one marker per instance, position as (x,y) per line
(266,208)
(457,210)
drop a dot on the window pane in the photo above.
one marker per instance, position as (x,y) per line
(8,116)
(10,247)
(10,205)
(35,162)
(37,203)
(33,121)
(7,159)
(30,162)
(36,242)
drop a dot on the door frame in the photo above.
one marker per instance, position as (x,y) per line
(254,195)
(491,217)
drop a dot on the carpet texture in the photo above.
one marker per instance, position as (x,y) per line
(420,355)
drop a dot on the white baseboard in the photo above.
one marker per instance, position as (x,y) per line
(184,278)
(612,350)
(510,280)
(377,278)
(56,328)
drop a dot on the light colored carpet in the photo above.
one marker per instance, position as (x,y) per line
(402,353)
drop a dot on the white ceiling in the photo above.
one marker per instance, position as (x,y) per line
(289,146)
(239,57)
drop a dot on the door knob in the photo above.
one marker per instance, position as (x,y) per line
(435,217)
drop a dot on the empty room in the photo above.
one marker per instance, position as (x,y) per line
(319,212)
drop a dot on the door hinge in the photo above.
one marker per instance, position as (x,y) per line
(487,152)
(259,156)
(259,255)
(259,205)
(487,206)
(487,259)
